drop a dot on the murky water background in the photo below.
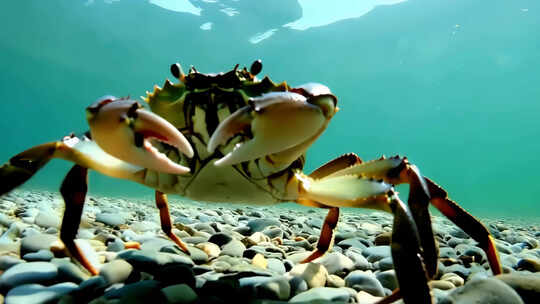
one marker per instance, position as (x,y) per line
(453,85)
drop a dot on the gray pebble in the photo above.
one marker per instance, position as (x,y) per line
(179,293)
(360,262)
(116,271)
(384,264)
(7,261)
(486,291)
(274,288)
(234,248)
(527,285)
(37,242)
(42,255)
(336,263)
(376,253)
(387,279)
(220,238)
(47,219)
(257,225)
(276,265)
(111,219)
(67,271)
(362,281)
(36,294)
(31,272)
(322,293)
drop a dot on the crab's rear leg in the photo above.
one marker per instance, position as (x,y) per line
(467,222)
(328,228)
(368,190)
(165,218)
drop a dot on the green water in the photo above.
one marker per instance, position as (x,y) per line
(453,85)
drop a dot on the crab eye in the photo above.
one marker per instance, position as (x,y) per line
(176,70)
(256,67)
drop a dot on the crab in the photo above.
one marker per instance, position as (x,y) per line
(231,137)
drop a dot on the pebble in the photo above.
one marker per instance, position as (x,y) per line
(453,278)
(376,253)
(36,242)
(179,294)
(275,265)
(220,238)
(360,262)
(111,219)
(481,291)
(47,219)
(333,280)
(234,248)
(7,261)
(321,293)
(116,271)
(336,263)
(37,294)
(363,281)
(31,272)
(41,255)
(314,274)
(387,279)
(260,224)
(527,285)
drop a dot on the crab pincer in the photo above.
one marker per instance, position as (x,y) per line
(125,130)
(276,121)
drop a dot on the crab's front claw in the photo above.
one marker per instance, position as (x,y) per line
(123,129)
(275,122)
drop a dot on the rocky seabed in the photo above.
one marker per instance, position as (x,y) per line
(242,254)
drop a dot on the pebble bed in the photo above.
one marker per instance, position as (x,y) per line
(242,254)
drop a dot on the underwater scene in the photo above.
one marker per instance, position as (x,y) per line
(270,151)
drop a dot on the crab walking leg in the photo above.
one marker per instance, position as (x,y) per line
(418,201)
(23,166)
(326,238)
(73,190)
(465,221)
(407,256)
(398,170)
(364,192)
(165,217)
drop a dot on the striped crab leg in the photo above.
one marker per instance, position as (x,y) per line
(346,182)
(130,120)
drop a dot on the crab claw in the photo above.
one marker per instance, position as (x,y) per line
(122,128)
(277,121)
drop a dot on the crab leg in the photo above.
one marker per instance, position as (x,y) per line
(73,191)
(326,239)
(165,217)
(414,249)
(330,222)
(407,256)
(467,222)
(365,192)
